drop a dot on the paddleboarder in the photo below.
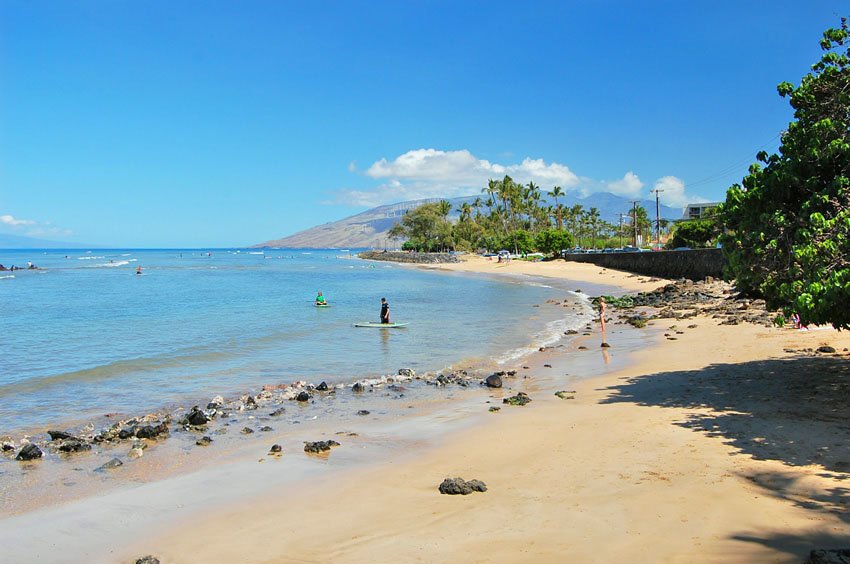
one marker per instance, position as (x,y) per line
(385,311)
(320,299)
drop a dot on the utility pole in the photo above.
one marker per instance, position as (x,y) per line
(621,230)
(657,218)
(634,220)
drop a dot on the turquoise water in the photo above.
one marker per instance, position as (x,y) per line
(85,336)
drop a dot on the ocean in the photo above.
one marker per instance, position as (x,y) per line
(84,335)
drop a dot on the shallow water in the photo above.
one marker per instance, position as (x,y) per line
(85,336)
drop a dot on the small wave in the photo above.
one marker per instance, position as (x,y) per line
(125,255)
(110,264)
(90,258)
(132,260)
(553,332)
(7,277)
(256,253)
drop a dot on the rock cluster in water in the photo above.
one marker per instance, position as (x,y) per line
(410,257)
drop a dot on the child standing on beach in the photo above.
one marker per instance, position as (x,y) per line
(602,309)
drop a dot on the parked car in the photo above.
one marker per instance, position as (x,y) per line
(630,249)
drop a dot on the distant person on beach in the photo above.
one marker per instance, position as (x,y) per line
(603,307)
(385,311)
(320,299)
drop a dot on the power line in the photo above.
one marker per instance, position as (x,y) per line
(727,171)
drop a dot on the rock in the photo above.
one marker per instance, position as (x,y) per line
(215,403)
(60,435)
(135,453)
(357,387)
(8,447)
(302,396)
(826,349)
(459,486)
(276,449)
(151,431)
(520,399)
(196,417)
(363,412)
(266,429)
(582,348)
(829,556)
(247,430)
(564,394)
(204,441)
(570,332)
(547,366)
(319,446)
(114,463)
(29,452)
(323,387)
(147,560)
(74,445)
(493,381)
(407,372)
(494,409)
(277,412)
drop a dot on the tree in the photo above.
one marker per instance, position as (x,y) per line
(556,193)
(694,233)
(426,227)
(788,222)
(553,241)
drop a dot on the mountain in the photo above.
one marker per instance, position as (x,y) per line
(8,241)
(369,228)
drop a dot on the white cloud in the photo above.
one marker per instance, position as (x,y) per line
(674,192)
(7,219)
(32,228)
(629,185)
(434,173)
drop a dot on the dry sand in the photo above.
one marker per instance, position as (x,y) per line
(717,446)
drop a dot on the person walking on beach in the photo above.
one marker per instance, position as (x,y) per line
(385,311)
(602,310)
(320,299)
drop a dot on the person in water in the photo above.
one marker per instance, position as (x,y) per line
(320,299)
(385,311)
(139,270)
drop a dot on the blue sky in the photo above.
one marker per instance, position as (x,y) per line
(176,123)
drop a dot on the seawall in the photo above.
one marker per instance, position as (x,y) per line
(695,264)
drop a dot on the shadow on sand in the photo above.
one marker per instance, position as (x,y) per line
(796,411)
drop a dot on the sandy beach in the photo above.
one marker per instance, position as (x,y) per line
(721,443)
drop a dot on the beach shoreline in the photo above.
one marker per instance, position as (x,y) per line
(582,477)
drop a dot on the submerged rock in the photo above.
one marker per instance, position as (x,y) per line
(303,396)
(357,387)
(319,446)
(363,412)
(61,435)
(196,417)
(323,387)
(215,403)
(459,486)
(73,445)
(276,449)
(520,399)
(204,441)
(277,412)
(247,430)
(407,372)
(114,463)
(151,431)
(29,452)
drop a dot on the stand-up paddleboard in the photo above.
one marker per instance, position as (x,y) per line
(380,325)
(323,305)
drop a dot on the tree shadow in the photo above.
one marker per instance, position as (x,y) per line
(792,410)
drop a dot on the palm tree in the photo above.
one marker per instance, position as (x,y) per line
(465,211)
(593,223)
(557,193)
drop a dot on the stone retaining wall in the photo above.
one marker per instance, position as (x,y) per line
(695,264)
(402,256)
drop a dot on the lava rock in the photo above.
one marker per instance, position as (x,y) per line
(147,560)
(363,412)
(570,332)
(277,412)
(520,399)
(266,429)
(493,381)
(605,346)
(114,463)
(459,486)
(276,449)
(61,435)
(323,387)
(29,452)
(74,445)
(204,441)
(215,403)
(829,556)
(564,394)
(494,409)
(826,349)
(357,387)
(151,431)
(196,417)
(319,446)
(247,430)
(407,372)
(302,396)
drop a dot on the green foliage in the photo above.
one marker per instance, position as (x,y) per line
(788,222)
(552,241)
(694,233)
(623,302)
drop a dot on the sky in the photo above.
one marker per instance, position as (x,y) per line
(216,124)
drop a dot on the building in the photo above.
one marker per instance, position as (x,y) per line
(697,211)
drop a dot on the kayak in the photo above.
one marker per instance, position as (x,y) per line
(380,325)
